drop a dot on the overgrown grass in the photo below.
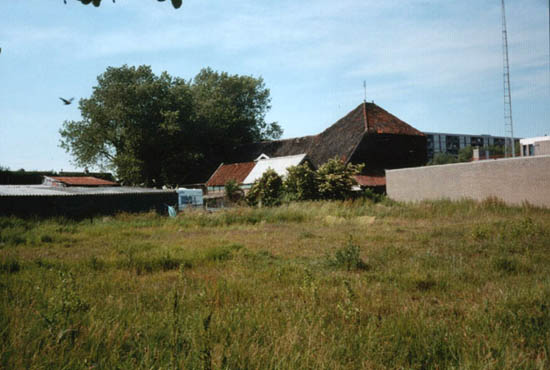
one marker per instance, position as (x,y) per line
(320,285)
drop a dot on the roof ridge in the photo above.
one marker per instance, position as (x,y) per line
(365,116)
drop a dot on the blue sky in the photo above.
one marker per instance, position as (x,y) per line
(436,64)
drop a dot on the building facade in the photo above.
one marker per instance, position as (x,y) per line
(439,142)
(532,146)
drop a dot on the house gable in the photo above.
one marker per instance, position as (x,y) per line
(278,164)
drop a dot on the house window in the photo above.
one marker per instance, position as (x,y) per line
(531,150)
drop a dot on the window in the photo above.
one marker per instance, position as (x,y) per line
(477,141)
(430,142)
(499,142)
(452,144)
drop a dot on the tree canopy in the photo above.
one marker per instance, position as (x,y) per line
(175,3)
(160,130)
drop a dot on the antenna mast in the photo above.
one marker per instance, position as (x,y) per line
(508,123)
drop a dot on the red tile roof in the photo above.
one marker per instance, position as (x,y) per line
(234,171)
(339,140)
(83,181)
(364,180)
(381,121)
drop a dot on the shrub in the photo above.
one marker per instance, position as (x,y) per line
(348,257)
(465,154)
(267,190)
(232,191)
(335,179)
(442,158)
(373,196)
(301,183)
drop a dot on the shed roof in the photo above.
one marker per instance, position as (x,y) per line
(278,164)
(44,190)
(234,171)
(82,181)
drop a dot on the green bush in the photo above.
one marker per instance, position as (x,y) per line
(466,154)
(349,257)
(232,191)
(267,190)
(442,158)
(373,196)
(301,183)
(335,179)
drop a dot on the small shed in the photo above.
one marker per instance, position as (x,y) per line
(80,201)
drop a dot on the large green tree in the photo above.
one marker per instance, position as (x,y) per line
(160,130)
(229,111)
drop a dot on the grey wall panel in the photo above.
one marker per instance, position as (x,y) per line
(514,180)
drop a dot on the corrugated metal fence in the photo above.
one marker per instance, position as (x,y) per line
(85,205)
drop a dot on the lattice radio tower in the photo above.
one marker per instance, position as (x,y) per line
(508,122)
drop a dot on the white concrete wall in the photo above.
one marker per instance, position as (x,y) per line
(514,180)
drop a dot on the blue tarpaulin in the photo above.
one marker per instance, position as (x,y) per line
(171,211)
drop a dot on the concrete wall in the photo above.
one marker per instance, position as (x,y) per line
(514,180)
(542,148)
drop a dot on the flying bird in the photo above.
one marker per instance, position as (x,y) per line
(65,101)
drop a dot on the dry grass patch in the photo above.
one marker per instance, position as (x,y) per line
(386,285)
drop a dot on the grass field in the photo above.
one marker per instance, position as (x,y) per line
(321,285)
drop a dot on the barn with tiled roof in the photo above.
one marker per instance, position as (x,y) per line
(368,134)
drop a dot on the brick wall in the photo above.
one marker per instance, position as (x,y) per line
(514,180)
